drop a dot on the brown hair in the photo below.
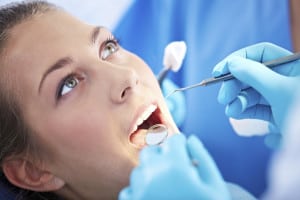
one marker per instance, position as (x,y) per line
(14,133)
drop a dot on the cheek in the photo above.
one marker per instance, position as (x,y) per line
(78,134)
(90,130)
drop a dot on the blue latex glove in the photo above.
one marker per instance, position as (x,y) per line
(176,102)
(259,92)
(167,172)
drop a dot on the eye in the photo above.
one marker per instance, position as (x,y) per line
(67,85)
(110,46)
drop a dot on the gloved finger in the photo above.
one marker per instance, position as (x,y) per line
(206,166)
(261,112)
(246,98)
(175,145)
(258,76)
(236,107)
(265,51)
(289,69)
(261,52)
(273,140)
(222,67)
(229,91)
(125,194)
(273,128)
(135,177)
(148,154)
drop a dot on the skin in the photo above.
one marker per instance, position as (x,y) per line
(295,23)
(82,137)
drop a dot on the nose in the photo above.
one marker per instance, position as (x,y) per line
(124,83)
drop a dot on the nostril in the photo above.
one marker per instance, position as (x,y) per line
(124,86)
(124,93)
(126,90)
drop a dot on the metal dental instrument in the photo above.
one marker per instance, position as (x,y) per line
(228,76)
(156,134)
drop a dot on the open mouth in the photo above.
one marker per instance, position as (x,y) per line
(151,116)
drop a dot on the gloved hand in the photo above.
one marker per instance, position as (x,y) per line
(167,172)
(176,102)
(259,92)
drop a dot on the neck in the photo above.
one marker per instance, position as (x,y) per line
(69,193)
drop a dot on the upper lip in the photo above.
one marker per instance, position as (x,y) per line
(142,114)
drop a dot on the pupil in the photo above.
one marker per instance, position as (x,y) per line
(71,83)
(111,48)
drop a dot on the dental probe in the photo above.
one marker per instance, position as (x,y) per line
(228,76)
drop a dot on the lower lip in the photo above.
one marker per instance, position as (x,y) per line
(137,139)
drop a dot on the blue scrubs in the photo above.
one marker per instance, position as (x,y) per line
(212,30)
(6,191)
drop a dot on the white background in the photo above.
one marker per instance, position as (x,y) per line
(99,12)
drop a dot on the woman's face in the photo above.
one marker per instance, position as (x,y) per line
(83,96)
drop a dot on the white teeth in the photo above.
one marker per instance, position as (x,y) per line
(145,115)
(148,112)
(139,121)
(134,129)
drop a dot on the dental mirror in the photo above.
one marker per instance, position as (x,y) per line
(156,134)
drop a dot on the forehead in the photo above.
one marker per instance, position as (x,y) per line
(39,41)
(53,28)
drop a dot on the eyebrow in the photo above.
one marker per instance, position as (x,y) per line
(57,65)
(95,34)
(67,60)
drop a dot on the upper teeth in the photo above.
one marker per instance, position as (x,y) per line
(145,115)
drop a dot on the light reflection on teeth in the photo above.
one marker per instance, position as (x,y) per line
(145,115)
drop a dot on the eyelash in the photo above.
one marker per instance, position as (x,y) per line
(63,83)
(110,40)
